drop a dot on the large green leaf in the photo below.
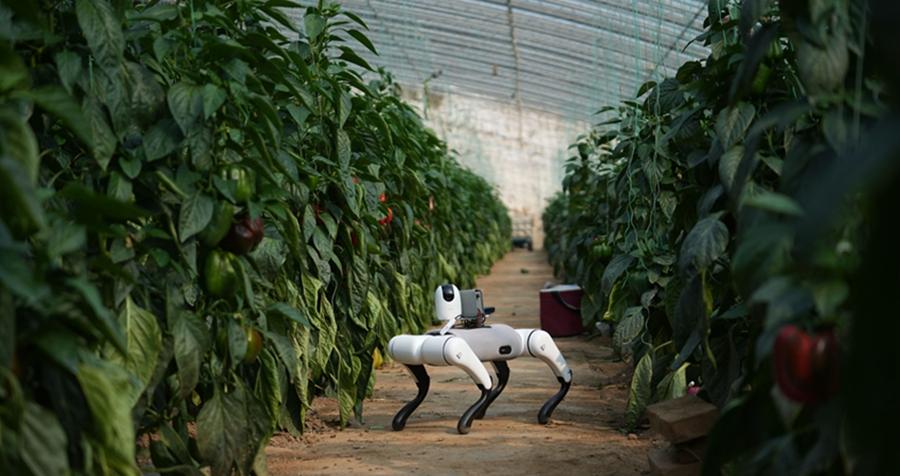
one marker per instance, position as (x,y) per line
(704,244)
(314,25)
(144,342)
(190,341)
(186,101)
(618,265)
(673,385)
(640,391)
(363,39)
(17,141)
(728,165)
(102,136)
(347,383)
(57,102)
(102,31)
(20,206)
(213,98)
(824,67)
(732,123)
(195,214)
(629,328)
(42,442)
(665,97)
(106,387)
(162,139)
(228,431)
(774,202)
(101,316)
(289,312)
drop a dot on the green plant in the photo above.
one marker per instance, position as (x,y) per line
(136,137)
(712,188)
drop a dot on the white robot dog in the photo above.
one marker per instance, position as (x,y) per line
(466,343)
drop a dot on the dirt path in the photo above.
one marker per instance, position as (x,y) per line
(583,436)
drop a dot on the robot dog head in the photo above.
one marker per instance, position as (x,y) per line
(447,302)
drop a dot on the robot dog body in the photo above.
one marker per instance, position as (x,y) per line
(468,347)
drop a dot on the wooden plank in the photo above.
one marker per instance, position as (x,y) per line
(667,462)
(682,419)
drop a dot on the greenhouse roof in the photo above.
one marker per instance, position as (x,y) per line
(565,57)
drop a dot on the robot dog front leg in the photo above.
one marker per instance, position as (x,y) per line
(417,351)
(539,344)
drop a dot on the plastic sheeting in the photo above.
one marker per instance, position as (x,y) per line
(565,57)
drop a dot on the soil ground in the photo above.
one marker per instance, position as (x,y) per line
(584,435)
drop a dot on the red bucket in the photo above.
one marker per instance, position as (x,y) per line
(561,310)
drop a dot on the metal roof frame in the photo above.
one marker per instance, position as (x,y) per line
(563,57)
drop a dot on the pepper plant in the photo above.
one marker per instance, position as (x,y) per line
(208,217)
(724,247)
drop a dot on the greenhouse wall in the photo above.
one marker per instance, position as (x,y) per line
(508,145)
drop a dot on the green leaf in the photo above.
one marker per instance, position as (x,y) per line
(103,138)
(345,105)
(344,149)
(200,141)
(65,237)
(43,442)
(775,203)
(102,317)
(14,73)
(102,31)
(322,243)
(213,98)
(630,327)
(823,69)
(285,350)
(665,97)
(704,244)
(144,343)
(20,206)
(17,140)
(58,103)
(186,102)
(639,392)
(104,386)
(130,165)
(314,25)
(617,265)
(732,123)
(347,382)
(350,56)
(355,18)
(195,214)
(363,39)
(728,165)
(289,312)
(237,340)
(162,140)
(229,429)
(90,207)
(673,385)
(190,342)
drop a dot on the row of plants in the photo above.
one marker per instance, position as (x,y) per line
(728,222)
(207,218)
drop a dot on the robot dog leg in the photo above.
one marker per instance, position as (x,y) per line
(417,351)
(539,344)
(519,342)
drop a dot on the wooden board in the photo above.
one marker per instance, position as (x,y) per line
(667,462)
(682,419)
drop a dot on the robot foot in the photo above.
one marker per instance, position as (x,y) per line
(422,382)
(550,405)
(465,421)
(502,378)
